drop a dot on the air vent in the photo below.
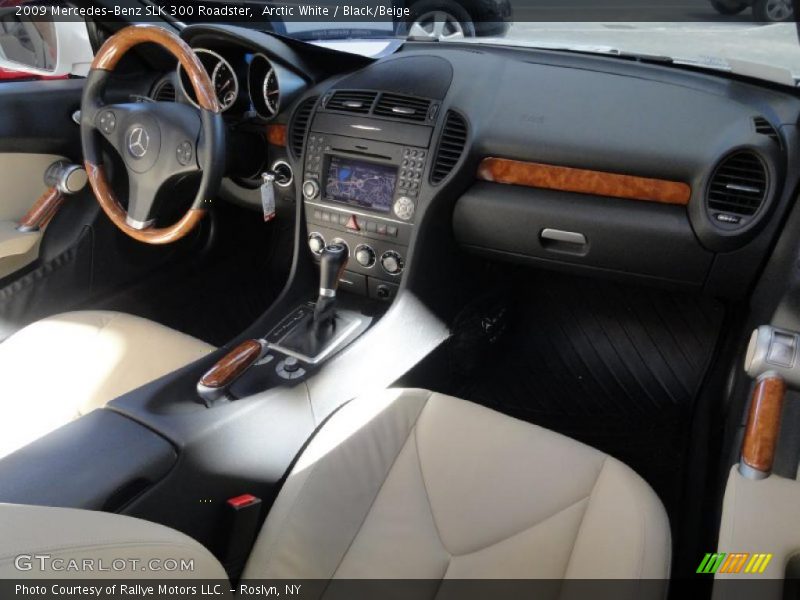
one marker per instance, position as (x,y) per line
(764,127)
(351,101)
(737,188)
(402,107)
(299,125)
(451,146)
(164,92)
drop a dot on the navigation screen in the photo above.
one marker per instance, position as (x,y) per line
(361,184)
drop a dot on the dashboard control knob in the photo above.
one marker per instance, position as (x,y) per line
(365,255)
(310,189)
(392,262)
(404,208)
(316,242)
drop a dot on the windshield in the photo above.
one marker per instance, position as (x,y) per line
(758,38)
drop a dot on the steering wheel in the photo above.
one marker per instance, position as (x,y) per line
(156,140)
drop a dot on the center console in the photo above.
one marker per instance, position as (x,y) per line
(361,189)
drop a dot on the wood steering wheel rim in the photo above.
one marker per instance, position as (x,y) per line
(106,61)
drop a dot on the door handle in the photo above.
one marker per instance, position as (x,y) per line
(63,179)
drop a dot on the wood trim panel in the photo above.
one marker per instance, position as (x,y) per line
(277,135)
(232,365)
(583,181)
(44,209)
(763,423)
(108,202)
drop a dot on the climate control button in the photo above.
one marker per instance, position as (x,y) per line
(392,262)
(316,242)
(365,256)
(310,189)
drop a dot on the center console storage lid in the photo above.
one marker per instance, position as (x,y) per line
(98,462)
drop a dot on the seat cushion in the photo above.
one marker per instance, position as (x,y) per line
(414,484)
(61,367)
(38,542)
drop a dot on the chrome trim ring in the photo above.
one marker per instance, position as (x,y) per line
(291,173)
(212,76)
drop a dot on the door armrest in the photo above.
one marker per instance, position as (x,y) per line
(13,242)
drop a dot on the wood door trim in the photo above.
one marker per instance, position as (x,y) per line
(43,210)
(763,423)
(583,181)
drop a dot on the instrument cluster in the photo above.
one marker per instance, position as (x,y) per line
(246,84)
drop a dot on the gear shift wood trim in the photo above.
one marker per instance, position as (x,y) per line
(216,381)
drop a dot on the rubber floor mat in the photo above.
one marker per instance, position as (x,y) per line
(617,367)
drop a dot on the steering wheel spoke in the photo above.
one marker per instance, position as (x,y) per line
(107,121)
(141,199)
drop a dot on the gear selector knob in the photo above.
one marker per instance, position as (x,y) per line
(332,262)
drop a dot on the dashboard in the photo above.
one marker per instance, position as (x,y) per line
(573,162)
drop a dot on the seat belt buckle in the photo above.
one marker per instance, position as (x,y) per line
(241,522)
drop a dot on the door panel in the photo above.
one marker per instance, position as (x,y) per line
(23,182)
(22,177)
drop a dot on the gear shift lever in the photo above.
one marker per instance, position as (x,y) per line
(312,336)
(332,262)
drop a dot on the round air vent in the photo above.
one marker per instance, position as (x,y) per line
(737,189)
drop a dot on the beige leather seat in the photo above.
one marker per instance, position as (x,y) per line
(408,484)
(64,366)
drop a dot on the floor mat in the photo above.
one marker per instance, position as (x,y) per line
(617,367)
(215,297)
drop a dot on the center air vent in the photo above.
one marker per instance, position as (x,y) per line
(351,101)
(451,146)
(402,107)
(299,125)
(737,188)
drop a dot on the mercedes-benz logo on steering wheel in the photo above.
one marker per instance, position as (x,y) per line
(138,141)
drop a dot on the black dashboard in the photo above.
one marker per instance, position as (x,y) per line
(380,149)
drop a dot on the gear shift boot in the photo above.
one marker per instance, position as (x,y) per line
(312,342)
(314,336)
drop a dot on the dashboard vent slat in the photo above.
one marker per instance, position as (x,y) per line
(164,92)
(764,127)
(451,146)
(402,107)
(354,101)
(299,125)
(738,186)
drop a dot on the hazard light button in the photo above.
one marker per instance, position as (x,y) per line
(352,223)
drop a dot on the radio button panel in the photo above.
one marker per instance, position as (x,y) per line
(409,178)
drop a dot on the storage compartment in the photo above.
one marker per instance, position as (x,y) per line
(100,462)
(579,232)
